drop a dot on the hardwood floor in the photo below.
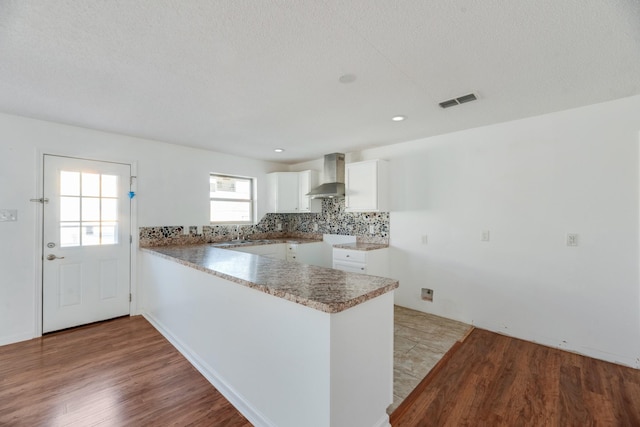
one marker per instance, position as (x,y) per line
(493,380)
(123,372)
(116,373)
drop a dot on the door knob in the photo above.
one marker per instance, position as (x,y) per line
(51,257)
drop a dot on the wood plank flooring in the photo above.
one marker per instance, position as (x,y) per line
(115,373)
(493,380)
(123,372)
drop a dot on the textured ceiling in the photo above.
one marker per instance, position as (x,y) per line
(247,76)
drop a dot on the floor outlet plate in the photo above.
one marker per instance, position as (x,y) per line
(427,294)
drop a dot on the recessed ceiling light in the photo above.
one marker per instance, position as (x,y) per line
(279,150)
(398,118)
(347,78)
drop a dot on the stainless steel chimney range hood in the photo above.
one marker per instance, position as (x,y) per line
(333,177)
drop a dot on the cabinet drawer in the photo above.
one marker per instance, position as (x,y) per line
(348,255)
(352,267)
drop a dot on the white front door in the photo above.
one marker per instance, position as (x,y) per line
(86,238)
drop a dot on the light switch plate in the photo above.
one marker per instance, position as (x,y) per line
(8,214)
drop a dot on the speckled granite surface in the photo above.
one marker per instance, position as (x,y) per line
(361,246)
(323,289)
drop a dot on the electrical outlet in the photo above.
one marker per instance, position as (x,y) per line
(8,214)
(279,226)
(315,227)
(372,229)
(572,239)
(427,294)
(424,239)
(485,236)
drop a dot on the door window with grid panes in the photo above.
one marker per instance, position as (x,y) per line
(88,209)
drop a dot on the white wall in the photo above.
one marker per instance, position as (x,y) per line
(529,182)
(172,189)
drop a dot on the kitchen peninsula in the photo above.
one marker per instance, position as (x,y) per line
(288,344)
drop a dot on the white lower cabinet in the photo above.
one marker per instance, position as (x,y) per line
(277,251)
(292,251)
(351,267)
(306,253)
(373,262)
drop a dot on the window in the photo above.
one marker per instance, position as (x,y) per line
(88,209)
(231,199)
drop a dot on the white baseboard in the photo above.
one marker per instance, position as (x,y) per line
(630,361)
(383,422)
(251,414)
(12,339)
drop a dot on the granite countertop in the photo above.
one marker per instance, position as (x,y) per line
(357,246)
(321,288)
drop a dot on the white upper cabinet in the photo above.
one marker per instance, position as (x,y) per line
(282,192)
(287,192)
(307,181)
(367,187)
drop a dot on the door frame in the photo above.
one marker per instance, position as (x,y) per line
(39,234)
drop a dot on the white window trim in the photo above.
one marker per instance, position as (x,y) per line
(252,200)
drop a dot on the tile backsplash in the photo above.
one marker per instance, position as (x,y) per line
(370,227)
(334,220)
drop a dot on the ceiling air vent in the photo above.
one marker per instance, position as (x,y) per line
(466,98)
(457,101)
(449,103)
